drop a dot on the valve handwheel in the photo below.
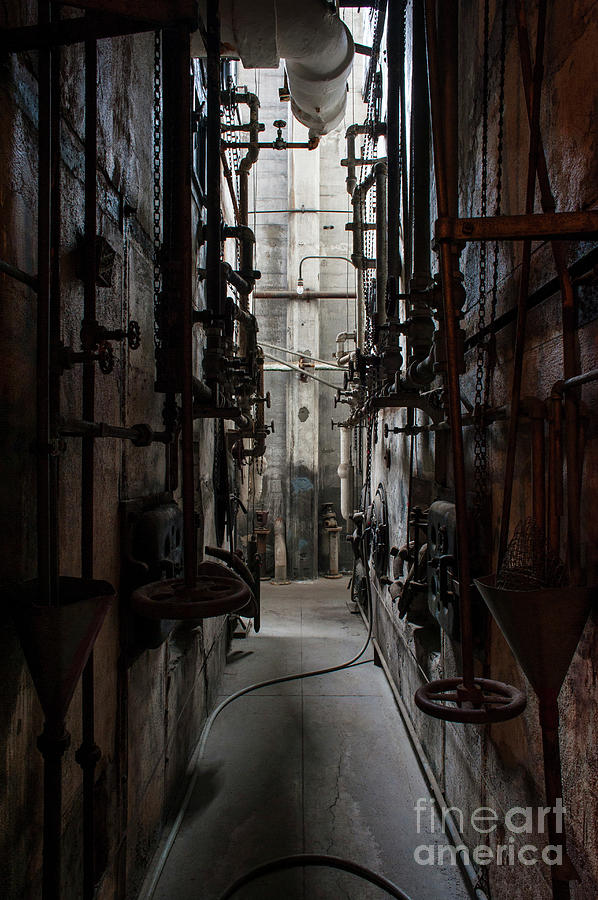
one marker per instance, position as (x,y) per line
(488,701)
(210,595)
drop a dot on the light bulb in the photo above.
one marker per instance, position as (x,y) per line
(300,285)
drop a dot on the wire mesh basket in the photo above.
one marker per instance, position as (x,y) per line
(528,564)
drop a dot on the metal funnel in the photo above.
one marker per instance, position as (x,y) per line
(541,627)
(57,640)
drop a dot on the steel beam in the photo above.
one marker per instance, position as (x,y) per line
(582,225)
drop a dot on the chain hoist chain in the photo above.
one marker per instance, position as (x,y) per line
(157,173)
(480,442)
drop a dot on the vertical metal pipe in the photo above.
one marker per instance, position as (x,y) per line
(549,723)
(213,276)
(446,178)
(55,303)
(448,28)
(524,277)
(47,590)
(395,57)
(381,170)
(88,753)
(538,465)
(178,98)
(420,157)
(52,743)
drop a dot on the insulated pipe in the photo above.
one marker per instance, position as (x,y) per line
(345,472)
(280,552)
(316,45)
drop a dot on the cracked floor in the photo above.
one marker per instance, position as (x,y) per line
(321,765)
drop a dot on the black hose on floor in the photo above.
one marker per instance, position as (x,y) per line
(301,860)
(284,862)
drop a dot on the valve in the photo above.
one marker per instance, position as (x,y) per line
(279,143)
(105,358)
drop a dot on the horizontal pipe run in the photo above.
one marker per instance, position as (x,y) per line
(71,31)
(141,435)
(306,295)
(18,274)
(335,387)
(534,227)
(578,380)
(286,145)
(325,362)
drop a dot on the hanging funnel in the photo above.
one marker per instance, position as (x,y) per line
(57,640)
(542,628)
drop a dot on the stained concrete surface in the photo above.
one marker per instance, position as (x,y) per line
(319,765)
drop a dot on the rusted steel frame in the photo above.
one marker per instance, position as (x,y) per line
(447,263)
(568,322)
(70,31)
(534,141)
(551,226)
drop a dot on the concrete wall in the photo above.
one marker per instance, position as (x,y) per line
(500,766)
(148,713)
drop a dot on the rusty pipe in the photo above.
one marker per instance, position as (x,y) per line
(48,589)
(88,754)
(534,141)
(536,411)
(555,490)
(446,178)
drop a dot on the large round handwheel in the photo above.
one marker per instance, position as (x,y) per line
(210,595)
(489,701)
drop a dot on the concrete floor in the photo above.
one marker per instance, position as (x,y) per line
(318,765)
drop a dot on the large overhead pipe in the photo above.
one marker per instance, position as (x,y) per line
(316,45)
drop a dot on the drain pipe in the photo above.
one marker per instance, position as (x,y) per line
(345,472)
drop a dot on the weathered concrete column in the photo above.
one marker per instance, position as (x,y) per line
(302,396)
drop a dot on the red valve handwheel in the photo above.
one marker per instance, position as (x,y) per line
(491,701)
(211,595)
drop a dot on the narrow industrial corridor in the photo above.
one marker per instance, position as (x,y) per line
(288,769)
(297,297)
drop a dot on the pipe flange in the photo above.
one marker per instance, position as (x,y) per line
(490,701)
(210,595)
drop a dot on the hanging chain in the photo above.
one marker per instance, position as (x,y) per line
(480,442)
(157,159)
